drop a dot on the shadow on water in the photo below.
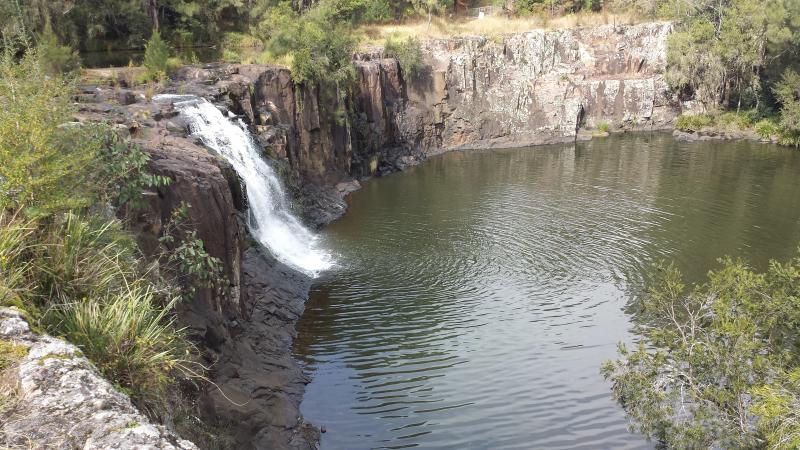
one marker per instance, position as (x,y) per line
(478,294)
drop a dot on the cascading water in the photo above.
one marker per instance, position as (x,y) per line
(270,220)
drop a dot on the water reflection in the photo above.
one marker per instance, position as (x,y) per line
(479,293)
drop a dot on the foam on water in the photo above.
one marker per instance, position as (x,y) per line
(270,219)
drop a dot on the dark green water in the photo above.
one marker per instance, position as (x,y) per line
(477,295)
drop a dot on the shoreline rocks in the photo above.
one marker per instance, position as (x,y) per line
(713,134)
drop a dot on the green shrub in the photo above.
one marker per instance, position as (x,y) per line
(694,123)
(131,337)
(718,365)
(408,54)
(734,120)
(231,56)
(321,46)
(156,57)
(122,171)
(239,40)
(189,258)
(787,92)
(529,7)
(766,129)
(603,127)
(362,11)
(56,58)
(43,158)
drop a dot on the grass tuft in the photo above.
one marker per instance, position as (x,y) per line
(694,123)
(132,338)
(11,353)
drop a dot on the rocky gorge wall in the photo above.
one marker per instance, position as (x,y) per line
(474,92)
(516,90)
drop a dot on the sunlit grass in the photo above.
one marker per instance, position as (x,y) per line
(440,28)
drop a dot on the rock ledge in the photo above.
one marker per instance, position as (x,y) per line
(62,401)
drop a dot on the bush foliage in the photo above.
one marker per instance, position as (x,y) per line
(408,54)
(321,45)
(720,363)
(694,122)
(42,157)
(74,271)
(156,57)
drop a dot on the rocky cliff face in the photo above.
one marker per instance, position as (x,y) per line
(540,87)
(517,90)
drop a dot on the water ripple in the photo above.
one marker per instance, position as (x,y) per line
(477,295)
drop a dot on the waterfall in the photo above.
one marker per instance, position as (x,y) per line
(270,219)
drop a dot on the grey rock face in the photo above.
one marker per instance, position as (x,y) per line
(62,402)
(517,90)
(541,86)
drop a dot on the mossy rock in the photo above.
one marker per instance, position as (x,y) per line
(11,353)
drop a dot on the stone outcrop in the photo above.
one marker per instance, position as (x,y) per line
(59,400)
(246,335)
(543,86)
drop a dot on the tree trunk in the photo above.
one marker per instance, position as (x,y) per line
(459,8)
(152,10)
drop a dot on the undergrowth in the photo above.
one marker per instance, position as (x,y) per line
(66,263)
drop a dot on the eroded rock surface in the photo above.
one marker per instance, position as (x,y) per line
(542,86)
(61,401)
(473,92)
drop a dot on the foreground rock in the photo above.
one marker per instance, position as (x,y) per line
(60,400)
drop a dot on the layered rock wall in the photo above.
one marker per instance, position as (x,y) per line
(515,90)
(543,86)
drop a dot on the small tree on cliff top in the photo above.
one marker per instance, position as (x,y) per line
(156,57)
(430,7)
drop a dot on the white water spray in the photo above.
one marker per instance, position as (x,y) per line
(270,219)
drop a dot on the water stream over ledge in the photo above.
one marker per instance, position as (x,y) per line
(271,221)
(477,295)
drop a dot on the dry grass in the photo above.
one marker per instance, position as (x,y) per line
(113,76)
(10,354)
(488,26)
